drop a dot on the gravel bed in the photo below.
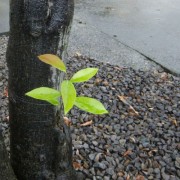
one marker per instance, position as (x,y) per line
(139,138)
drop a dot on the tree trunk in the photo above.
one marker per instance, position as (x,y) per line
(41,146)
(6,172)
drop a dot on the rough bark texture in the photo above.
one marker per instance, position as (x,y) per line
(40,142)
(6,172)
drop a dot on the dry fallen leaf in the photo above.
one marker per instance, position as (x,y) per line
(105,83)
(150,153)
(133,112)
(119,68)
(151,109)
(67,121)
(85,165)
(174,122)
(96,159)
(123,99)
(77,165)
(128,177)
(127,153)
(131,93)
(7,118)
(126,162)
(77,152)
(132,139)
(6,92)
(140,177)
(164,76)
(138,99)
(98,81)
(78,54)
(79,155)
(120,174)
(88,123)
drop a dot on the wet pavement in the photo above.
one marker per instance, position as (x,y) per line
(4,16)
(124,32)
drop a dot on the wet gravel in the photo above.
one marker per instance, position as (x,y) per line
(139,138)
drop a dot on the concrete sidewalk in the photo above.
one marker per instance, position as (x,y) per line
(124,32)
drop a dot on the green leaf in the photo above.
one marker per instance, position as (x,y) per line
(46,94)
(90,105)
(68,93)
(53,60)
(84,75)
(54,102)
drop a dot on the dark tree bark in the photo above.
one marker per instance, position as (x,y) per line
(41,146)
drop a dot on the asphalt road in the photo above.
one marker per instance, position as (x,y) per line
(133,33)
(4,16)
(150,27)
